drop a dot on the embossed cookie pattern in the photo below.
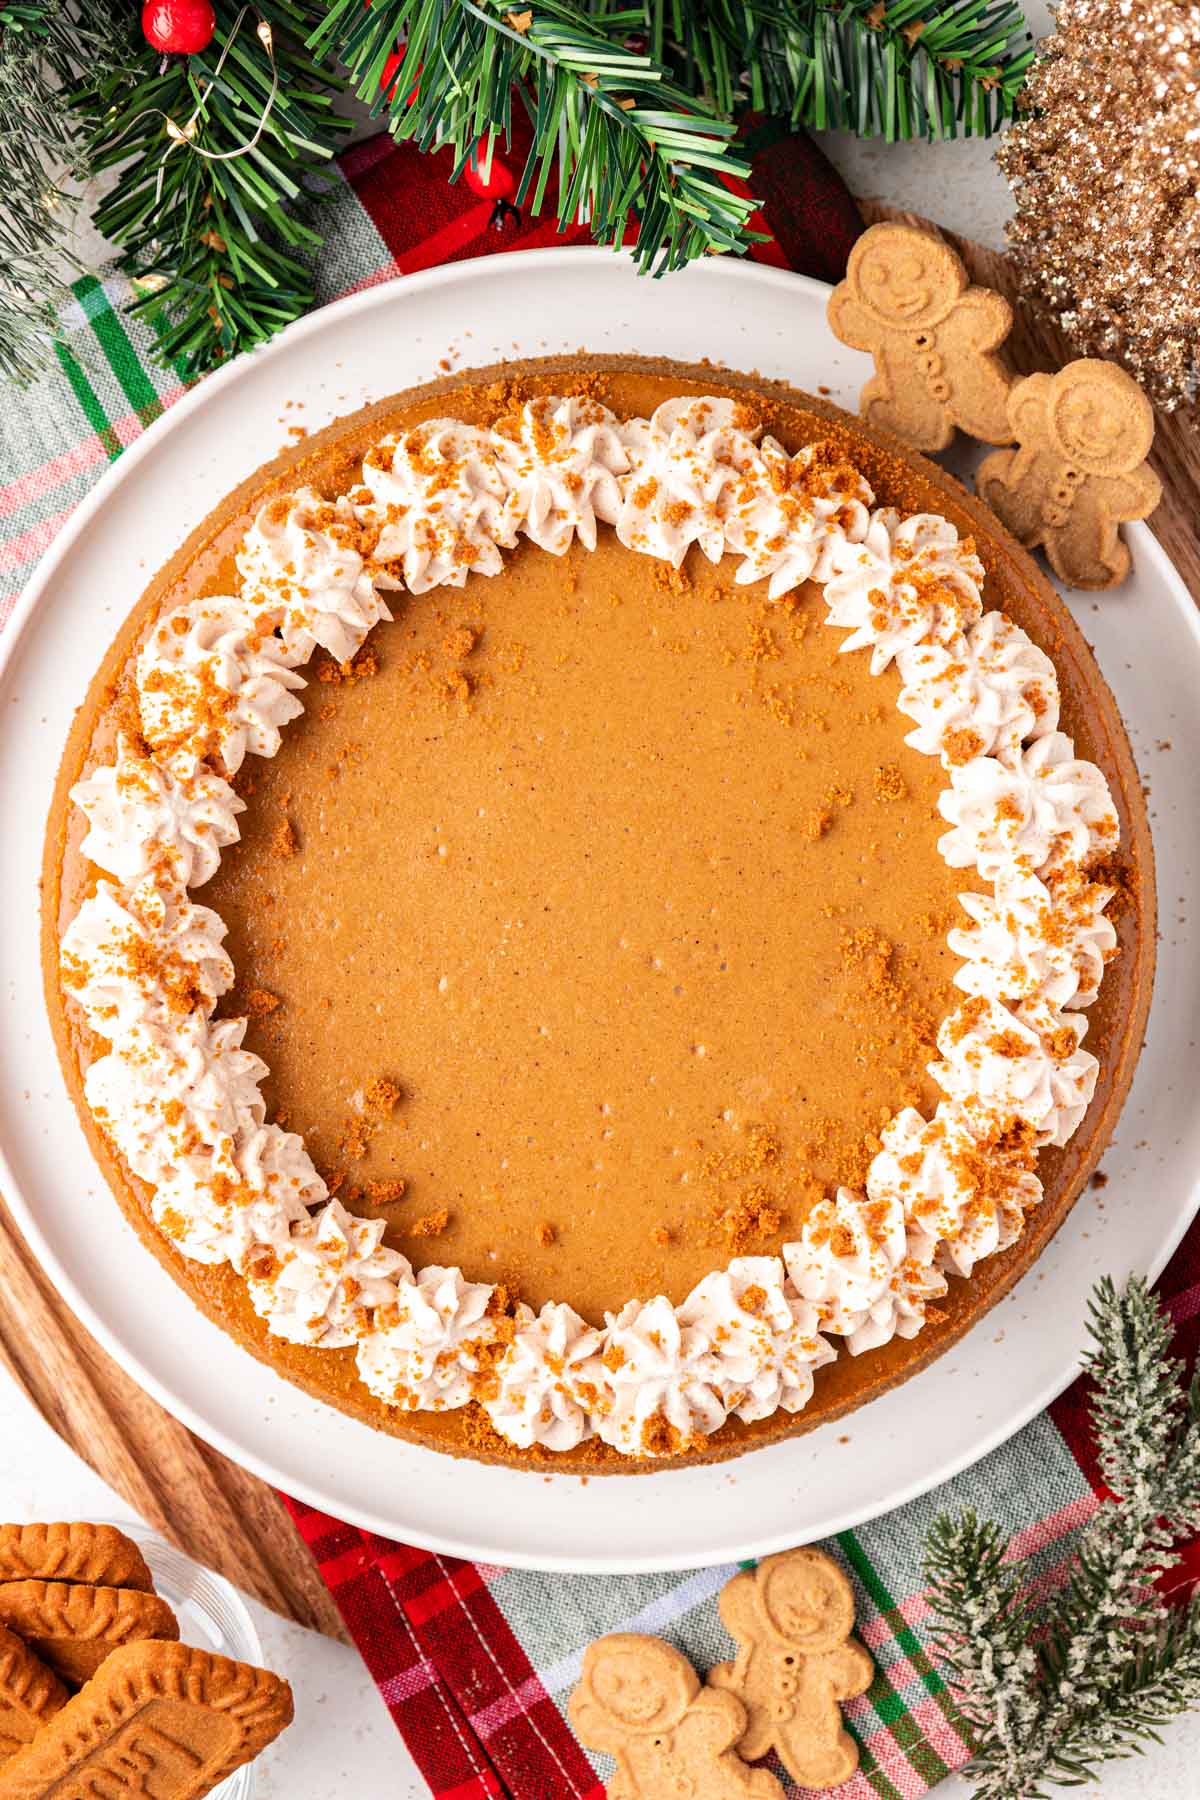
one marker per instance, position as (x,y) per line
(98,1555)
(1078,470)
(74,1629)
(159,1719)
(640,1700)
(29,1694)
(792,1618)
(908,300)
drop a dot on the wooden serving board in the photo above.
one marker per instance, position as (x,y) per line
(218,1513)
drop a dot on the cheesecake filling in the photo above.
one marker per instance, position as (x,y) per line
(218,679)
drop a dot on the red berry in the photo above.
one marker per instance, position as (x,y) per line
(497,184)
(180,27)
(391,69)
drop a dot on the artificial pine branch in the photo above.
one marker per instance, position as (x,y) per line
(44,44)
(634,109)
(216,243)
(1049,1693)
(895,70)
(637,103)
(983,1635)
(629,143)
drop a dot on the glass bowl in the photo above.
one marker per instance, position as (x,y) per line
(212,1616)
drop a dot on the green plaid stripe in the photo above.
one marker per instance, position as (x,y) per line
(907,1727)
(118,349)
(88,400)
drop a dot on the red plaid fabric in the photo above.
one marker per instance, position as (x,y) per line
(441,1653)
(473,1709)
(422,220)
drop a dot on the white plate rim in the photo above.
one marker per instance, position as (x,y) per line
(1146,548)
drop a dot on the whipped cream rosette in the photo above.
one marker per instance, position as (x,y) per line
(1023,1064)
(561,461)
(146,817)
(965,1192)
(217,679)
(542,1393)
(695,463)
(907,581)
(437,498)
(424,1349)
(326,1281)
(143,956)
(165,1092)
(983,692)
(302,567)
(1045,809)
(654,1376)
(764,1341)
(791,523)
(214,680)
(233,1206)
(1029,942)
(865,1267)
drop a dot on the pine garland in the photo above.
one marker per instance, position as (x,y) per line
(1051,1692)
(634,108)
(43,46)
(218,247)
(626,139)
(638,103)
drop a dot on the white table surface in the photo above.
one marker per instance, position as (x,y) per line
(343,1741)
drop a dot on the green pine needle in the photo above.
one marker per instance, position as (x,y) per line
(1049,1693)
(634,109)
(217,245)
(900,70)
(43,44)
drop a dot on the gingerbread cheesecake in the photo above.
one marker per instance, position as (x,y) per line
(598,913)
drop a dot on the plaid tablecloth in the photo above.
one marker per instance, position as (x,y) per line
(475,1663)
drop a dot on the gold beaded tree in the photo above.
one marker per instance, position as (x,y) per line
(1105,167)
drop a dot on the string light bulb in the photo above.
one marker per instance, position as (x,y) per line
(183,136)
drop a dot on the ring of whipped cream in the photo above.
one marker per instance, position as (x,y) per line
(217,679)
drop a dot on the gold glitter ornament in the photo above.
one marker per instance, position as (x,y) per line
(1105,170)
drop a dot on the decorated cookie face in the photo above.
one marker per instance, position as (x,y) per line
(907,300)
(645,1688)
(906,285)
(1081,470)
(808,1603)
(1096,420)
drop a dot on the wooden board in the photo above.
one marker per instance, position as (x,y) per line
(218,1513)
(215,1511)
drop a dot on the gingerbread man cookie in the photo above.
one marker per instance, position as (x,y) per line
(641,1701)
(908,300)
(792,1618)
(1079,468)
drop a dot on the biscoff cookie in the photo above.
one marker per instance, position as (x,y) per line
(30,1694)
(792,1618)
(640,1700)
(161,1720)
(99,1555)
(907,299)
(1079,469)
(75,1628)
